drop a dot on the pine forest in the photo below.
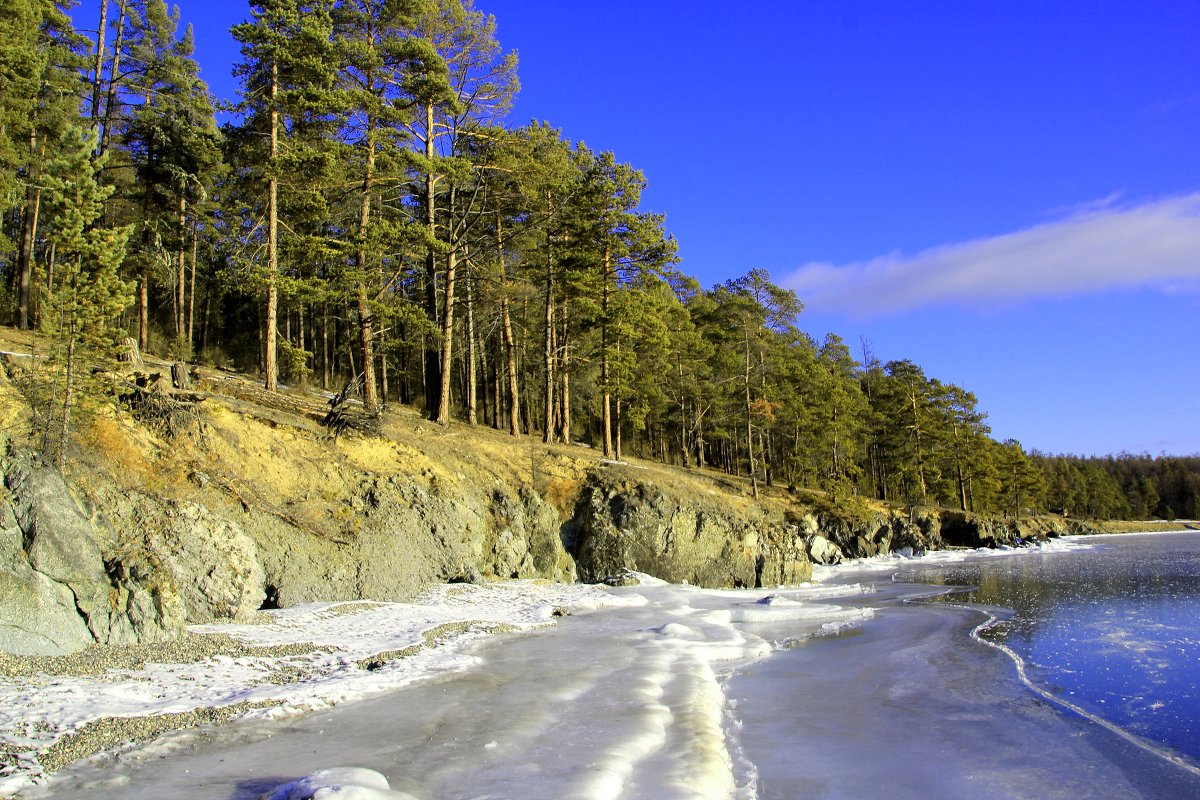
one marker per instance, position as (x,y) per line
(366,210)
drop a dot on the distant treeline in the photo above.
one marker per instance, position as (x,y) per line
(1123,487)
(368,212)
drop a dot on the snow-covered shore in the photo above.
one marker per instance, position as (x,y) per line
(652,666)
(338,653)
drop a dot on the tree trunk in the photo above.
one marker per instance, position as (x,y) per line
(181,273)
(962,482)
(443,405)
(365,322)
(33,204)
(617,449)
(750,425)
(917,440)
(432,363)
(548,431)
(144,307)
(101,30)
(204,317)
(191,312)
(383,369)
(472,391)
(494,400)
(564,372)
(114,69)
(606,391)
(510,354)
(510,345)
(325,372)
(270,365)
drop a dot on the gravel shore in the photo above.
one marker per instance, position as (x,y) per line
(58,710)
(187,649)
(111,732)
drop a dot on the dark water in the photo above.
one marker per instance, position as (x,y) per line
(1113,629)
(911,705)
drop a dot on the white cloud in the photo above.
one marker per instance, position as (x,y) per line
(1096,247)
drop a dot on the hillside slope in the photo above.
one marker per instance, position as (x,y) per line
(251,505)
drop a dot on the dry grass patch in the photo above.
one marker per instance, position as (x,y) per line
(124,449)
(1144,526)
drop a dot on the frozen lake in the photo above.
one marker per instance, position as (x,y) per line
(842,690)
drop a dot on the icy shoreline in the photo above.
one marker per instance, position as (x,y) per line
(684,637)
(677,637)
(300,659)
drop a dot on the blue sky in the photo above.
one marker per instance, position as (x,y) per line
(1006,193)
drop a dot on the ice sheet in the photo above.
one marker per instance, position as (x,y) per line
(624,697)
(654,691)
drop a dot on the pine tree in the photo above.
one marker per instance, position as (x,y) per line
(751,311)
(175,149)
(43,95)
(832,416)
(288,72)
(458,84)
(85,295)
(624,246)
(20,66)
(544,176)
(373,38)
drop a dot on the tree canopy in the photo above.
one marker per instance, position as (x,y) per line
(368,211)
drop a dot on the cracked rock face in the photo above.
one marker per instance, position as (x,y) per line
(207,560)
(625,523)
(56,594)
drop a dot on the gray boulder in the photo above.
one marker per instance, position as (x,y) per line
(37,615)
(211,560)
(623,522)
(56,538)
(56,593)
(823,551)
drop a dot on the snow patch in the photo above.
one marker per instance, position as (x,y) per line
(341,783)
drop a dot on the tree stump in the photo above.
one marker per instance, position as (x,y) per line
(180,377)
(130,353)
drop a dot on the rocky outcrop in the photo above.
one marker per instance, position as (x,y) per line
(210,562)
(402,536)
(387,540)
(624,522)
(57,594)
(874,533)
(147,564)
(864,533)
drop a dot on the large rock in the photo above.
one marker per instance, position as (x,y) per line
(398,534)
(210,561)
(57,538)
(623,522)
(858,532)
(823,551)
(918,530)
(38,616)
(56,592)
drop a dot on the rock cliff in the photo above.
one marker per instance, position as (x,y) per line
(255,508)
(57,592)
(624,522)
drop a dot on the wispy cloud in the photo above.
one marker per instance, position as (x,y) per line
(1100,246)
